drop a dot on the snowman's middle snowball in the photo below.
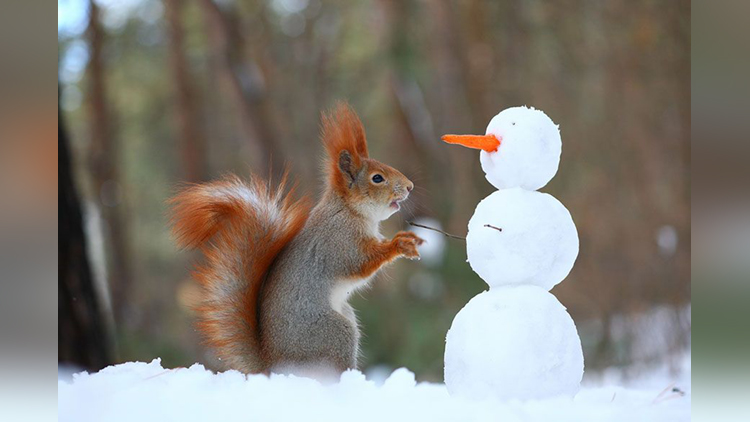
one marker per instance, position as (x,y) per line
(538,243)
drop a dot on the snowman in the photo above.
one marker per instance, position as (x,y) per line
(516,341)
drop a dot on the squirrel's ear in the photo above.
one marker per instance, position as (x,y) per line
(346,165)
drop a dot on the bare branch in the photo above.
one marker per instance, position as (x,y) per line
(493,227)
(411,223)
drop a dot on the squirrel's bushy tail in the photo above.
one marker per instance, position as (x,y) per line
(240,227)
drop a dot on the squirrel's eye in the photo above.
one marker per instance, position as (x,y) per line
(377,178)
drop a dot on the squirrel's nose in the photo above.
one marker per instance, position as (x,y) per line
(409,187)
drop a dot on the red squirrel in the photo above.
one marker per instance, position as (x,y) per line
(277,275)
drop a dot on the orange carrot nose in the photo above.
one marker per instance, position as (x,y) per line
(487,143)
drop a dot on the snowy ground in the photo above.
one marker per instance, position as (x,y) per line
(148,392)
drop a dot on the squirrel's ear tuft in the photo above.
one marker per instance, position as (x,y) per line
(342,130)
(346,146)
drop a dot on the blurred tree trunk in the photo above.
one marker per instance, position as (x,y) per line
(479,57)
(104,168)
(413,121)
(679,19)
(680,24)
(455,109)
(245,83)
(191,140)
(81,333)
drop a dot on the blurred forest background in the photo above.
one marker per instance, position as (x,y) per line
(155,93)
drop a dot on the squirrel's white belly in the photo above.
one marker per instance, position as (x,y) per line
(341,292)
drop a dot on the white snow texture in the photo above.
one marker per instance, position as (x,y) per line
(513,342)
(145,392)
(538,243)
(529,151)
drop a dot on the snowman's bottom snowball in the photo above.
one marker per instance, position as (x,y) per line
(513,342)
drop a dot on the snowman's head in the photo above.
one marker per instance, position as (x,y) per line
(521,148)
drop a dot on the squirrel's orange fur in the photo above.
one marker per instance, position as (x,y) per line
(277,274)
(226,219)
(379,253)
(342,131)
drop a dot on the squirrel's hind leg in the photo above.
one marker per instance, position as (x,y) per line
(329,348)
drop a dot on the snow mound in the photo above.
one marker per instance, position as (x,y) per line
(147,392)
(529,152)
(538,243)
(513,342)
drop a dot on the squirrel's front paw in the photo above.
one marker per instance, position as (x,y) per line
(407,243)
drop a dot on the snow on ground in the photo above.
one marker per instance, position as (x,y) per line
(141,392)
